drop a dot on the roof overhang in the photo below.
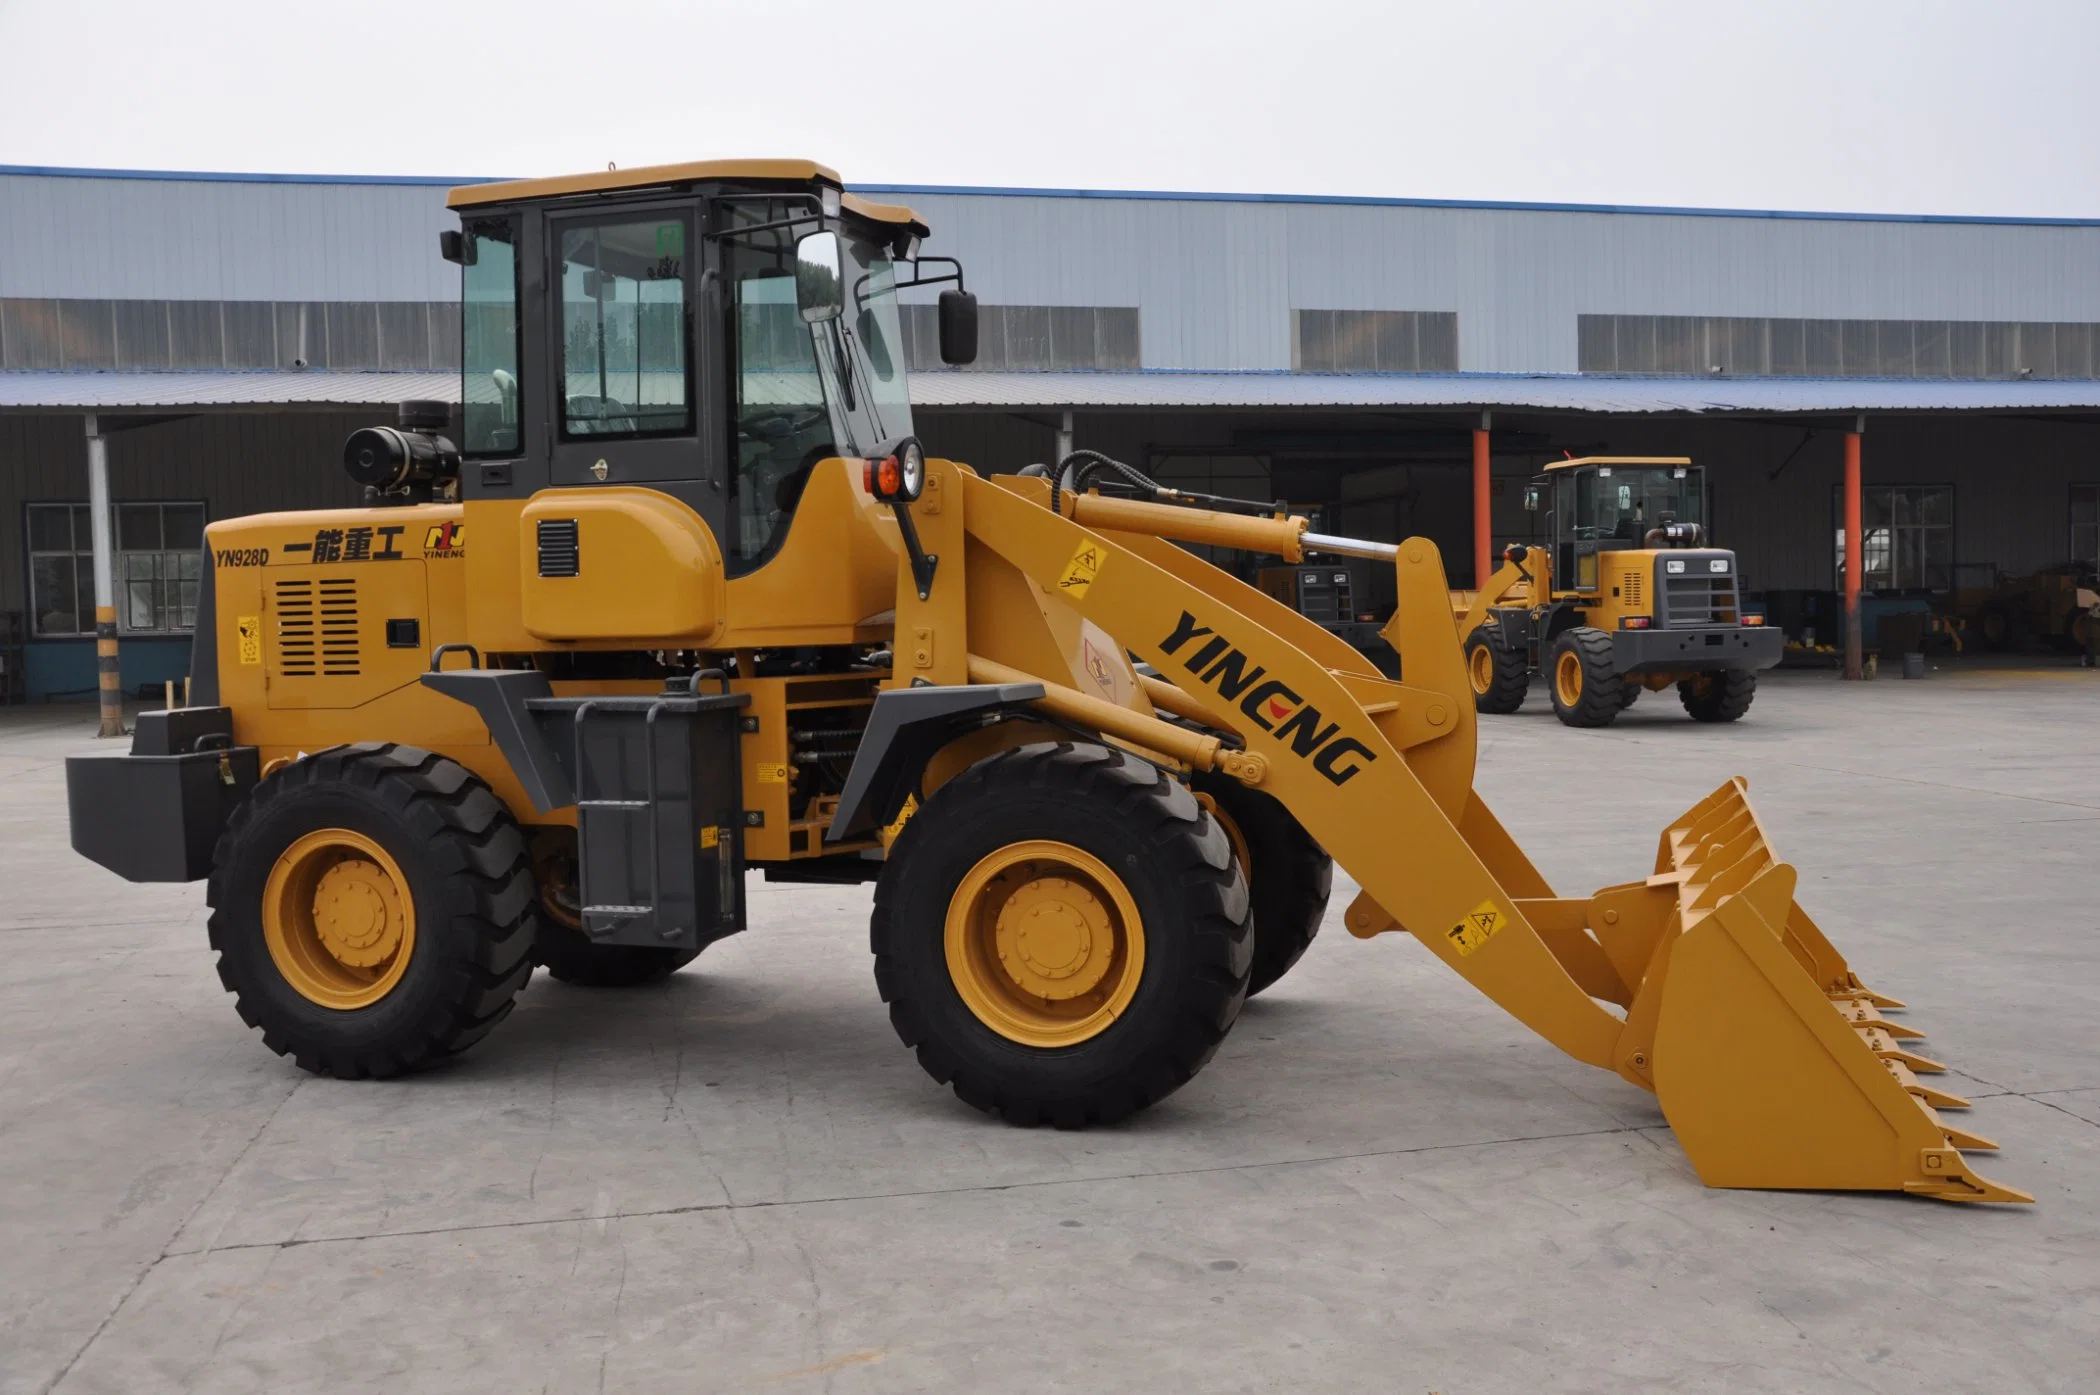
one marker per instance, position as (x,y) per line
(48,391)
(306,390)
(1616,396)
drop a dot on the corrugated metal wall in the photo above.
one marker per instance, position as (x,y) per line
(1214,280)
(239,464)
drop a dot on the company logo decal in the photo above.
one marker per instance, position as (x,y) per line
(1270,704)
(445,540)
(359,544)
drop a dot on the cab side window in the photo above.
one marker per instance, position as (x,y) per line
(625,327)
(489,324)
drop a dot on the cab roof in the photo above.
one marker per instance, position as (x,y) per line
(692,172)
(1619,460)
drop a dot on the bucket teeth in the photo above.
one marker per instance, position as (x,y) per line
(1938,1099)
(1862,1013)
(1884,1046)
(1962,1138)
(1946,1176)
(1856,989)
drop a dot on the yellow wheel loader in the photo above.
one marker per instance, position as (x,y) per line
(687,598)
(1625,599)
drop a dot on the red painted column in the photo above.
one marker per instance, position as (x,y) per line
(1855,561)
(1483,531)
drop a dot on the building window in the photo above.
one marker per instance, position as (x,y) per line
(159,563)
(1755,347)
(1906,537)
(1031,339)
(1374,341)
(2085,524)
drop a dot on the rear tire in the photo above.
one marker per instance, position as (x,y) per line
(1169,985)
(409,850)
(1719,695)
(1587,689)
(1289,876)
(1499,671)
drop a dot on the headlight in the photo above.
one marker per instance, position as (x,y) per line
(897,471)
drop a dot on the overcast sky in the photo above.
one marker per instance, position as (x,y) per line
(1921,106)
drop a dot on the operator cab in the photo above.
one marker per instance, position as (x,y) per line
(710,330)
(1603,503)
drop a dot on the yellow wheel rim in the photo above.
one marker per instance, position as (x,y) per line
(1567,678)
(338,919)
(1044,943)
(1480,667)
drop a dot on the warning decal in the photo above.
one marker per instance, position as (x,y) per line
(1080,572)
(248,630)
(1477,928)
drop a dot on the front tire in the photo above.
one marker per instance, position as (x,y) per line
(373,910)
(1499,671)
(1721,695)
(1587,689)
(1062,933)
(1288,880)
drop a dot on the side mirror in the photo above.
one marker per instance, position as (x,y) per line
(1531,498)
(958,316)
(819,289)
(454,247)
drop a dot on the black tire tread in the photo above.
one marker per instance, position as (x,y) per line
(1288,890)
(1603,689)
(1200,862)
(1726,697)
(1512,681)
(488,888)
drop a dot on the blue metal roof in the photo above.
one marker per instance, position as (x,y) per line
(1155,390)
(1143,195)
(1541,392)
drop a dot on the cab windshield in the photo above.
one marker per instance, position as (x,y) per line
(1620,503)
(803,393)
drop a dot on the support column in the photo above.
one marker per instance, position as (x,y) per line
(1855,561)
(109,685)
(1483,529)
(1064,437)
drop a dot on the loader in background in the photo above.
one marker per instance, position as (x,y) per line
(1625,599)
(688,599)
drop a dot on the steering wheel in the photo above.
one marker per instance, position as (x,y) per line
(774,425)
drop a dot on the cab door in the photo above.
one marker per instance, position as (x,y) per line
(623,343)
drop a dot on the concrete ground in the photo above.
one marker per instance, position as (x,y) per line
(741,1182)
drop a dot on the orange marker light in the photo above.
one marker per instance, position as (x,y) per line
(890,476)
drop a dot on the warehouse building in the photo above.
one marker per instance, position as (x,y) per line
(1399,367)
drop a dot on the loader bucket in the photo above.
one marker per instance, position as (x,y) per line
(1774,1065)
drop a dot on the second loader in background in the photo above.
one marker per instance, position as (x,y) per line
(1626,598)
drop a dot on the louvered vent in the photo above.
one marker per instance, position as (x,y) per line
(1630,592)
(559,549)
(317,628)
